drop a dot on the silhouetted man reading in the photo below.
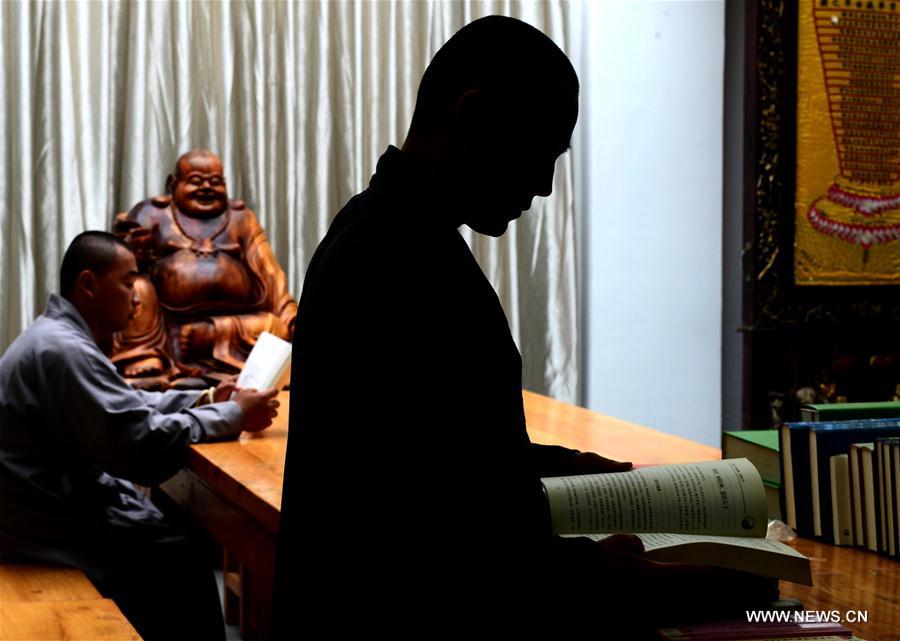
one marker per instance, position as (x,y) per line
(412,492)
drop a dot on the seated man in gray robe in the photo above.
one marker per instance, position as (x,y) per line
(74,437)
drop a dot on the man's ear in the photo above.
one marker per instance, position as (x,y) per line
(170,184)
(87,282)
(469,114)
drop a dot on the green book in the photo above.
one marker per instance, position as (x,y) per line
(760,446)
(850,411)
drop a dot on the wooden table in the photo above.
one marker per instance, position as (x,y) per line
(555,423)
(234,490)
(847,580)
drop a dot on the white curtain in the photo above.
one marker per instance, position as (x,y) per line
(298,98)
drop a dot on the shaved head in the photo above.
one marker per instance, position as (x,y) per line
(96,251)
(498,55)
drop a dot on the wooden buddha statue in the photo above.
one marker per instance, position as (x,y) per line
(210,283)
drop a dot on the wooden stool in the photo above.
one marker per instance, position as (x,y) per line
(33,583)
(234,579)
(87,619)
(48,603)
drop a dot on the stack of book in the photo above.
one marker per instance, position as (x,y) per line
(760,447)
(849,411)
(841,475)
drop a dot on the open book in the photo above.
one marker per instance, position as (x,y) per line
(712,512)
(268,365)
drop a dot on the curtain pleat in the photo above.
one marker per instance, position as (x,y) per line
(298,98)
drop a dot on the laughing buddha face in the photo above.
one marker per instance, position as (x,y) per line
(198,186)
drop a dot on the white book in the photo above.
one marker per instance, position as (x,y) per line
(887,491)
(896,485)
(870,506)
(882,508)
(268,365)
(841,517)
(857,501)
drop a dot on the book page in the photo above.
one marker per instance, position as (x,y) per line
(724,498)
(657,540)
(267,365)
(765,557)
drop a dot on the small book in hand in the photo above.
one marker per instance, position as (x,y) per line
(268,365)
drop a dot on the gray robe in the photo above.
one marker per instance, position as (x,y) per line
(74,436)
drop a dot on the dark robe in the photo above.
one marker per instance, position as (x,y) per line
(411,490)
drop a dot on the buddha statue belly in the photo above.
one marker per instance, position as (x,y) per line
(210,282)
(190,282)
